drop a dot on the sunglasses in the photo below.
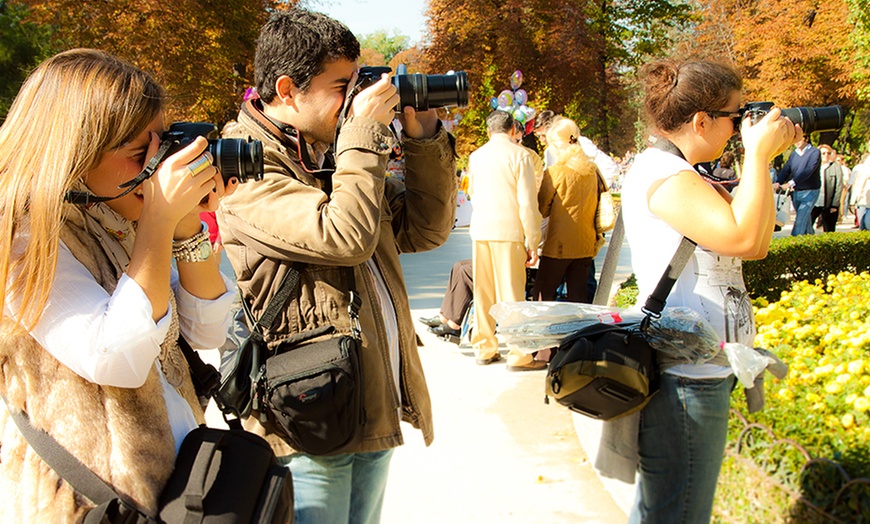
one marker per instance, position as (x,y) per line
(735,116)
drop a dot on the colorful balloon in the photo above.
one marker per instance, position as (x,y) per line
(519,115)
(530,112)
(505,99)
(493,102)
(516,79)
(521,96)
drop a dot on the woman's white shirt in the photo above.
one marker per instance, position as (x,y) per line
(112,340)
(710,284)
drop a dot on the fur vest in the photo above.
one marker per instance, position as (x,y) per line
(121,434)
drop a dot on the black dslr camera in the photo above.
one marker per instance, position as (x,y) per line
(234,157)
(811,119)
(422,92)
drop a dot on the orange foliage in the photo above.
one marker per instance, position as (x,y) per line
(200,50)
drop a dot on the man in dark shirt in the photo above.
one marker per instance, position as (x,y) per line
(801,173)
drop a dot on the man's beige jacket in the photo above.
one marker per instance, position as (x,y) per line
(289,217)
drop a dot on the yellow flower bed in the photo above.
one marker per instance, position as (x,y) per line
(822,331)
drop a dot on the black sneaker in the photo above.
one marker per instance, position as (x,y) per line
(444,329)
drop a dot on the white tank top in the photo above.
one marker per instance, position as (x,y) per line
(710,284)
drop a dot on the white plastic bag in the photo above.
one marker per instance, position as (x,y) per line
(745,362)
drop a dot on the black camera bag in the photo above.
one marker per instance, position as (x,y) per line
(313,393)
(221,476)
(606,371)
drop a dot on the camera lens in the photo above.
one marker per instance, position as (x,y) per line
(237,157)
(423,92)
(812,119)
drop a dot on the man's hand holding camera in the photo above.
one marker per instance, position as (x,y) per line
(419,125)
(377,101)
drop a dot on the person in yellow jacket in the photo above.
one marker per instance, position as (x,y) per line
(569,197)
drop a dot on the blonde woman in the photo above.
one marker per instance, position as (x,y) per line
(92,307)
(569,197)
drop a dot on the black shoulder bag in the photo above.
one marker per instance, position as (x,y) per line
(309,389)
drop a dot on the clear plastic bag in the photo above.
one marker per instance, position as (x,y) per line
(533,326)
(683,333)
(746,363)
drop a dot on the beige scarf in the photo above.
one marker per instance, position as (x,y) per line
(116,235)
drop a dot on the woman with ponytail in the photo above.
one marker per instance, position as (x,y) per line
(694,110)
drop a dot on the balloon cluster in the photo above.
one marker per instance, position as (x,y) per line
(514,100)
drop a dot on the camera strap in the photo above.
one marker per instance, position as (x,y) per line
(667,146)
(86,198)
(292,139)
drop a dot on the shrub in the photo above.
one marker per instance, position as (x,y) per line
(806,257)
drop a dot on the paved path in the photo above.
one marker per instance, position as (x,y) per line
(500,454)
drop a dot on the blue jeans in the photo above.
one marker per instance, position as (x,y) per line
(863,218)
(682,439)
(804,202)
(339,489)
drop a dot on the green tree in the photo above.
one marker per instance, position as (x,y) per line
(387,45)
(22,45)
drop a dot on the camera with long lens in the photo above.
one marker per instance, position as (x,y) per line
(811,119)
(234,157)
(422,92)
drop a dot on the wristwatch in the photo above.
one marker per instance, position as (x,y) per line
(194,249)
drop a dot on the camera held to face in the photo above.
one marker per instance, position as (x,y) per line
(422,92)
(234,157)
(811,119)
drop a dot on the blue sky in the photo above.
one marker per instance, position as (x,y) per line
(367,16)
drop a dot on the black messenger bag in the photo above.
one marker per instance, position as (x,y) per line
(606,371)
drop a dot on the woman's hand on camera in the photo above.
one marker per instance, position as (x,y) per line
(770,136)
(183,185)
(377,101)
(419,125)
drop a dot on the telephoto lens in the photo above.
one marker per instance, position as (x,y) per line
(423,92)
(811,119)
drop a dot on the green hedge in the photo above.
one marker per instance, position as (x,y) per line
(789,260)
(806,257)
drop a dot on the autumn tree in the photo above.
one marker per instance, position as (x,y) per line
(200,50)
(385,44)
(791,52)
(574,55)
(414,60)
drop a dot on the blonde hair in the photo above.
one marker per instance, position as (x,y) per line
(563,140)
(73,108)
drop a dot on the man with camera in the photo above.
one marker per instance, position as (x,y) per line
(326,203)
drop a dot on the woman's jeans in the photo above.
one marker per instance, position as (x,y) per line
(682,438)
(339,489)
(804,202)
